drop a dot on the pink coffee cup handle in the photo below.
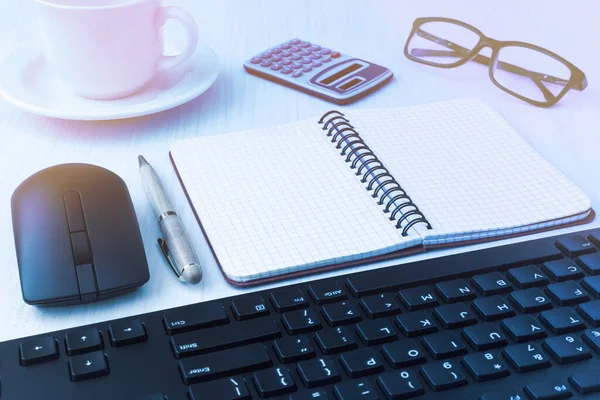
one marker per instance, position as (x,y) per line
(191,30)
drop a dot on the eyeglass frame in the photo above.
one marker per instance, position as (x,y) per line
(577,81)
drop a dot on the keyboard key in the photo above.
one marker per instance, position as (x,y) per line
(309,395)
(504,395)
(400,385)
(416,324)
(38,350)
(485,366)
(567,293)
(293,348)
(590,262)
(562,270)
(547,391)
(454,316)
(376,332)
(418,298)
(443,375)
(335,340)
(194,317)
(493,308)
(124,333)
(530,300)
(224,363)
(595,238)
(326,292)
(566,349)
(221,337)
(592,284)
(288,300)
(380,305)
(404,353)
(83,340)
(301,321)
(523,328)
(317,372)
(340,313)
(444,345)
(273,382)
(455,290)
(562,320)
(491,283)
(484,336)
(591,312)
(575,245)
(586,382)
(592,337)
(249,307)
(361,362)
(225,389)
(88,366)
(355,390)
(159,396)
(527,276)
(526,357)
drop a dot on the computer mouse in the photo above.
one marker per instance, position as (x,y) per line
(77,236)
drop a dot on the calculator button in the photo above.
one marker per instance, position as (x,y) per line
(326,60)
(285,53)
(286,45)
(314,47)
(286,62)
(295,41)
(306,60)
(295,49)
(335,54)
(305,53)
(316,64)
(286,70)
(256,60)
(325,52)
(266,63)
(264,56)
(275,67)
(305,44)
(308,68)
(297,74)
(296,65)
(315,56)
(296,57)
(276,50)
(276,58)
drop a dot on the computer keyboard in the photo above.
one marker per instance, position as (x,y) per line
(510,322)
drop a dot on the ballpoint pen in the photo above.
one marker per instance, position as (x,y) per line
(175,242)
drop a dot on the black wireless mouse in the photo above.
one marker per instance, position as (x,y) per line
(77,236)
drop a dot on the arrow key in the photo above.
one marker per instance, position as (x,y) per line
(38,350)
(83,341)
(127,332)
(88,366)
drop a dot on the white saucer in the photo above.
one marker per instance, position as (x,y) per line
(26,82)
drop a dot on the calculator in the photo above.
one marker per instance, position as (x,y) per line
(319,71)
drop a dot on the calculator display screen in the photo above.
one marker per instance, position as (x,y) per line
(340,74)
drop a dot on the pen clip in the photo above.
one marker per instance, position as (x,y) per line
(165,250)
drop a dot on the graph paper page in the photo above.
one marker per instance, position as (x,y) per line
(281,200)
(468,171)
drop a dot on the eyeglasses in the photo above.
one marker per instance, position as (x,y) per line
(531,73)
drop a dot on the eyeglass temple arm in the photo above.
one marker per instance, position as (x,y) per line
(455,48)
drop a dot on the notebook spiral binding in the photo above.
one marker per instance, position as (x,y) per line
(366,163)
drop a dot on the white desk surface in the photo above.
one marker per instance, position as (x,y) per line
(568,135)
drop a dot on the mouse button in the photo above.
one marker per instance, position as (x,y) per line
(87,283)
(81,248)
(74,211)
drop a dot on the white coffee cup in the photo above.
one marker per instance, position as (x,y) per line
(107,49)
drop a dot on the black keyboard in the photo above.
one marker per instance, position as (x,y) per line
(510,322)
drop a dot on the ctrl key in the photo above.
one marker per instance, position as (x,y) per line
(586,382)
(88,366)
(38,350)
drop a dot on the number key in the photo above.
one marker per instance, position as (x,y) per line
(443,375)
(400,385)
(526,357)
(485,366)
(566,349)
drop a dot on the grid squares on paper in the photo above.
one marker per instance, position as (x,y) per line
(468,171)
(280,200)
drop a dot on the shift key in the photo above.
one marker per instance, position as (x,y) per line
(224,363)
(221,337)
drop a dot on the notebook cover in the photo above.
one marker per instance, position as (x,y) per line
(383,257)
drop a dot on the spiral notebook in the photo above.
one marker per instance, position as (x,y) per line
(365,185)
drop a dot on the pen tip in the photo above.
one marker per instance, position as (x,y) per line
(142,161)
